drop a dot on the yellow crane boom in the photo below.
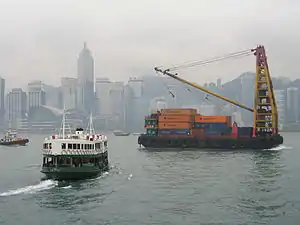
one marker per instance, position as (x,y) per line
(166,72)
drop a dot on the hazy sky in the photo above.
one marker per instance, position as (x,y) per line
(41,39)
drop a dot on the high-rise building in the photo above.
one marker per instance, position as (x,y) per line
(16,106)
(280,102)
(69,92)
(137,106)
(36,94)
(86,80)
(117,104)
(157,103)
(219,83)
(103,86)
(136,86)
(110,102)
(292,104)
(2,100)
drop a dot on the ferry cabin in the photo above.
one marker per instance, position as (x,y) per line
(73,153)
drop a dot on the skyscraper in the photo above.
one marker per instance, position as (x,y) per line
(292,104)
(86,78)
(280,102)
(2,100)
(36,94)
(16,106)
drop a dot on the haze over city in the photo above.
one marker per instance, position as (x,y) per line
(40,40)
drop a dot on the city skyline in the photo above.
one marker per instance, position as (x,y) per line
(129,39)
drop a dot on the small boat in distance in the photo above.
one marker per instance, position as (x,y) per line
(121,133)
(75,156)
(11,138)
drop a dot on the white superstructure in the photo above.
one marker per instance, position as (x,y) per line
(79,143)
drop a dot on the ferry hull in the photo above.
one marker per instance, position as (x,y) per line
(65,173)
(15,142)
(253,143)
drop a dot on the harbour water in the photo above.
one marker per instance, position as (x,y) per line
(156,187)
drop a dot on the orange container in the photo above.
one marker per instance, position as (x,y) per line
(212,119)
(176,118)
(174,125)
(197,132)
(179,111)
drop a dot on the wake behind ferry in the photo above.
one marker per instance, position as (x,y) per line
(75,156)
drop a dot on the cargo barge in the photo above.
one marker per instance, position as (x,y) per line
(170,129)
(185,128)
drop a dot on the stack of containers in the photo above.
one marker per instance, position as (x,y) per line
(176,122)
(213,125)
(151,123)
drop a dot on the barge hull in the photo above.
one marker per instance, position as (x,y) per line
(255,143)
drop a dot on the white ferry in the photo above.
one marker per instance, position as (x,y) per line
(74,156)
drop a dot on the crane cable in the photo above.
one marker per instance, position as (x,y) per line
(214,59)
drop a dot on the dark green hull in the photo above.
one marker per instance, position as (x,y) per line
(69,173)
(78,171)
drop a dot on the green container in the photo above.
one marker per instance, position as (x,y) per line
(151,122)
(151,132)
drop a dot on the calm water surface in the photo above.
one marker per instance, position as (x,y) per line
(156,187)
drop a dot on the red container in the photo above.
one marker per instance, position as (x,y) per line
(174,125)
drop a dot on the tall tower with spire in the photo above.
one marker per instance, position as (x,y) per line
(86,80)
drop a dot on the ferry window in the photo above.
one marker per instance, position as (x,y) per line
(105,143)
(45,146)
(69,146)
(92,146)
(78,146)
(74,146)
(50,145)
(97,145)
(63,146)
(82,146)
(86,146)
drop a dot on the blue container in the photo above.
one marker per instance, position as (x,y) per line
(177,132)
(212,126)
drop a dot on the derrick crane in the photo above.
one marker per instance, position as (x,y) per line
(265,109)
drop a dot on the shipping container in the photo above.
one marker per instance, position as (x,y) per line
(212,126)
(220,128)
(245,131)
(197,132)
(175,125)
(226,132)
(213,119)
(151,132)
(176,118)
(179,111)
(177,132)
(151,122)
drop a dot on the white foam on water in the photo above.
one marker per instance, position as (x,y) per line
(43,185)
(278,148)
(130,176)
(67,187)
